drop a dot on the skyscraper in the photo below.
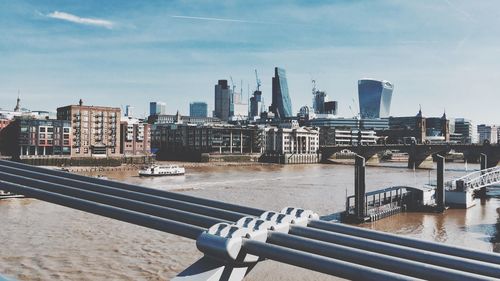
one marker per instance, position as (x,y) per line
(487,133)
(129,111)
(331,107)
(374,98)
(198,109)
(319,99)
(466,128)
(238,106)
(157,108)
(256,104)
(223,100)
(281,105)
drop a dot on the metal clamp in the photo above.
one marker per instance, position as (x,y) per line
(224,241)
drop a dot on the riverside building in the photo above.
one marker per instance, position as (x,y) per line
(466,128)
(487,133)
(34,138)
(296,145)
(204,142)
(95,130)
(135,137)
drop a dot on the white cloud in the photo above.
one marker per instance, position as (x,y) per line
(76,19)
(222,19)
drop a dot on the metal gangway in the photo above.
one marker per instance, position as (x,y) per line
(475,180)
(236,238)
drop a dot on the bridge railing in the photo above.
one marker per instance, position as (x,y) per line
(234,238)
(475,180)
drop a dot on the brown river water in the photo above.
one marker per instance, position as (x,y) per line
(43,241)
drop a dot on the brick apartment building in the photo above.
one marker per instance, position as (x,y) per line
(95,130)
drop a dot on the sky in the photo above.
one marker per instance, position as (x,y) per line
(442,55)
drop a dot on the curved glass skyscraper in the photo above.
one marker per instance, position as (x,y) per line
(374,98)
(281,104)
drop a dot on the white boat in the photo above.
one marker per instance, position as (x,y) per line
(6,195)
(162,170)
(101,177)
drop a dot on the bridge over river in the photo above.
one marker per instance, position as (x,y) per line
(234,238)
(418,153)
(461,191)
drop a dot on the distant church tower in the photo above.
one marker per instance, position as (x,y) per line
(18,104)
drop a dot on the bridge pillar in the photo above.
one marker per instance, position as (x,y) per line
(419,161)
(483,160)
(440,192)
(373,159)
(359,188)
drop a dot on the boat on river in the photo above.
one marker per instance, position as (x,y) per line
(6,195)
(162,170)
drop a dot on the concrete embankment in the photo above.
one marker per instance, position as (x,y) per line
(82,169)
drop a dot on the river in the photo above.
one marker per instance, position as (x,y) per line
(43,241)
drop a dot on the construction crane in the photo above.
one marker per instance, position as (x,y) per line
(232,83)
(241,91)
(258,80)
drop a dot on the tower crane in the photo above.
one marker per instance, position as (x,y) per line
(258,80)
(232,83)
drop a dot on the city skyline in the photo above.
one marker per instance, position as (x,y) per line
(132,53)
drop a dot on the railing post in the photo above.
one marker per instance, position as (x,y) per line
(359,187)
(484,165)
(440,192)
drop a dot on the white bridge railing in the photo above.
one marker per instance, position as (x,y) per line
(475,180)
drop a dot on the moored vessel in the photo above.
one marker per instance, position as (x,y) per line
(162,170)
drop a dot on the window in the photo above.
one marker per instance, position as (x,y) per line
(41,142)
(42,129)
(66,130)
(66,142)
(41,136)
(50,129)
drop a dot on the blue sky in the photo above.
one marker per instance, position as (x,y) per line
(440,53)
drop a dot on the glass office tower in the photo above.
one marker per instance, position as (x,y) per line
(223,100)
(281,105)
(198,109)
(157,108)
(374,98)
